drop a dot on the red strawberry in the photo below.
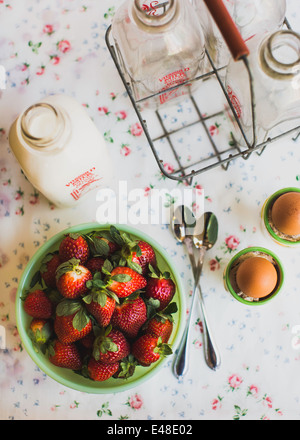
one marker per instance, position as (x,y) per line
(160,286)
(161,324)
(71,322)
(101,306)
(138,254)
(95,264)
(148,349)
(37,304)
(74,246)
(124,281)
(40,331)
(110,346)
(48,269)
(99,371)
(71,278)
(130,316)
(144,256)
(100,302)
(65,355)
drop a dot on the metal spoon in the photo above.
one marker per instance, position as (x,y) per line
(183,223)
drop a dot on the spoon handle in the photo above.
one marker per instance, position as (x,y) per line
(180,365)
(211,353)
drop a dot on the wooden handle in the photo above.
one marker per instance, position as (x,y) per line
(227,28)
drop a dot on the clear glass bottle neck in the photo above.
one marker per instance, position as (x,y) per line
(154,13)
(42,126)
(280,55)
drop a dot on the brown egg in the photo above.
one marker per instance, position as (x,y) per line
(256,277)
(286,213)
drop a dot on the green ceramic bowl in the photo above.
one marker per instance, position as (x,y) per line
(265,210)
(68,377)
(229,287)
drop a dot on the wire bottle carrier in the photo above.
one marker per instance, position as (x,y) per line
(218,156)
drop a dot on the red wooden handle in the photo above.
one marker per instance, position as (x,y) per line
(227,28)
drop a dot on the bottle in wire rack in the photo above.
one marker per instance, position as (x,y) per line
(160,47)
(257,16)
(214,42)
(250,16)
(274,62)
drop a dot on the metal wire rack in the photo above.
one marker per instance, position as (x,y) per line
(218,155)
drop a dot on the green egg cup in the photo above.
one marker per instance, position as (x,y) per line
(265,211)
(266,299)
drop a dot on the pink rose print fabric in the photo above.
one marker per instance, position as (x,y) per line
(58,47)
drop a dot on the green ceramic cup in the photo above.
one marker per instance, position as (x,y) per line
(234,261)
(67,377)
(272,233)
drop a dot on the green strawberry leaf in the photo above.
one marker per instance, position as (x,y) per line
(88,298)
(68,307)
(154,273)
(116,236)
(107,267)
(127,367)
(135,266)
(80,320)
(74,235)
(66,266)
(121,278)
(36,279)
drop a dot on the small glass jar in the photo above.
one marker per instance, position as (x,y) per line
(160,47)
(229,276)
(274,62)
(290,241)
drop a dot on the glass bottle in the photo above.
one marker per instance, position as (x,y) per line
(214,40)
(60,150)
(160,46)
(274,62)
(257,16)
(250,16)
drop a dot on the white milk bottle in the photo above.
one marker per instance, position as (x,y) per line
(60,150)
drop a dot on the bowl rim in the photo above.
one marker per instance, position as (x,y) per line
(37,358)
(266,207)
(245,251)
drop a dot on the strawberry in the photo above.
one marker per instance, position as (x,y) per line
(130,315)
(64,355)
(74,246)
(110,346)
(48,269)
(37,304)
(101,244)
(148,349)
(160,286)
(144,256)
(137,254)
(100,302)
(71,321)
(161,324)
(95,264)
(100,371)
(123,281)
(71,278)
(40,331)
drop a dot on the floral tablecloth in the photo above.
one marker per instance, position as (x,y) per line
(59,47)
